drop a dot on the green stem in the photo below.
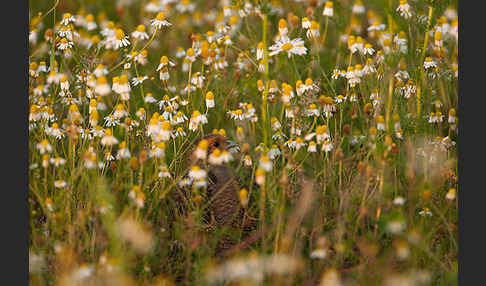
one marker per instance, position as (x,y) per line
(265,92)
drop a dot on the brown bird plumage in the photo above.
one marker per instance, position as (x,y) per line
(224,208)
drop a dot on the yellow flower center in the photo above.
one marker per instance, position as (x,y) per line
(287,46)
(119,34)
(166,125)
(161,16)
(203,144)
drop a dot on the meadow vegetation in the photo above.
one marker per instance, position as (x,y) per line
(344,114)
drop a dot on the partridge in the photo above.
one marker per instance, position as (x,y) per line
(224,210)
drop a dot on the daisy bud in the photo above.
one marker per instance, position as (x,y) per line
(209,99)
(260,177)
(243,197)
(328,9)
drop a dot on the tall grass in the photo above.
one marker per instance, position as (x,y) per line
(374,205)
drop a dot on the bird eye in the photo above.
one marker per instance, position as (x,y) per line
(216,144)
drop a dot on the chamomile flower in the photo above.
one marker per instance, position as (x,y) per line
(90,23)
(121,40)
(139,33)
(60,184)
(312,148)
(201,150)
(265,163)
(369,67)
(425,212)
(123,152)
(291,47)
(109,156)
(313,31)
(100,70)
(336,73)
(358,8)
(180,52)
(42,68)
(209,99)
(404,9)
(108,138)
(260,51)
(297,143)
(236,114)
(215,157)
(275,123)
(64,44)
(312,110)
(139,80)
(67,18)
(153,7)
(396,226)
(247,161)
(185,6)
(260,176)
(197,119)
(327,146)
(328,106)
(380,123)
(452,119)
(309,86)
(339,99)
(377,26)
(102,88)
(451,194)
(57,161)
(191,55)
(164,172)
(429,63)
(322,133)
(180,132)
(158,149)
(328,9)
(120,111)
(399,200)
(306,24)
(164,62)
(55,131)
(438,39)
(44,146)
(33,36)
(282,28)
(368,50)
(197,79)
(149,98)
(227,156)
(160,21)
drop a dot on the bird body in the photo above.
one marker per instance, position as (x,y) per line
(223,197)
(223,210)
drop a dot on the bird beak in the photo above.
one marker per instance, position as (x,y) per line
(232,146)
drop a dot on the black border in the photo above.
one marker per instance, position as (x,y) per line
(471,164)
(14,210)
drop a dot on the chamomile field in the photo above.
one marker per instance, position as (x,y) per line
(183,142)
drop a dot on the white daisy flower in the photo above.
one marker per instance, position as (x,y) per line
(294,46)
(404,9)
(160,21)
